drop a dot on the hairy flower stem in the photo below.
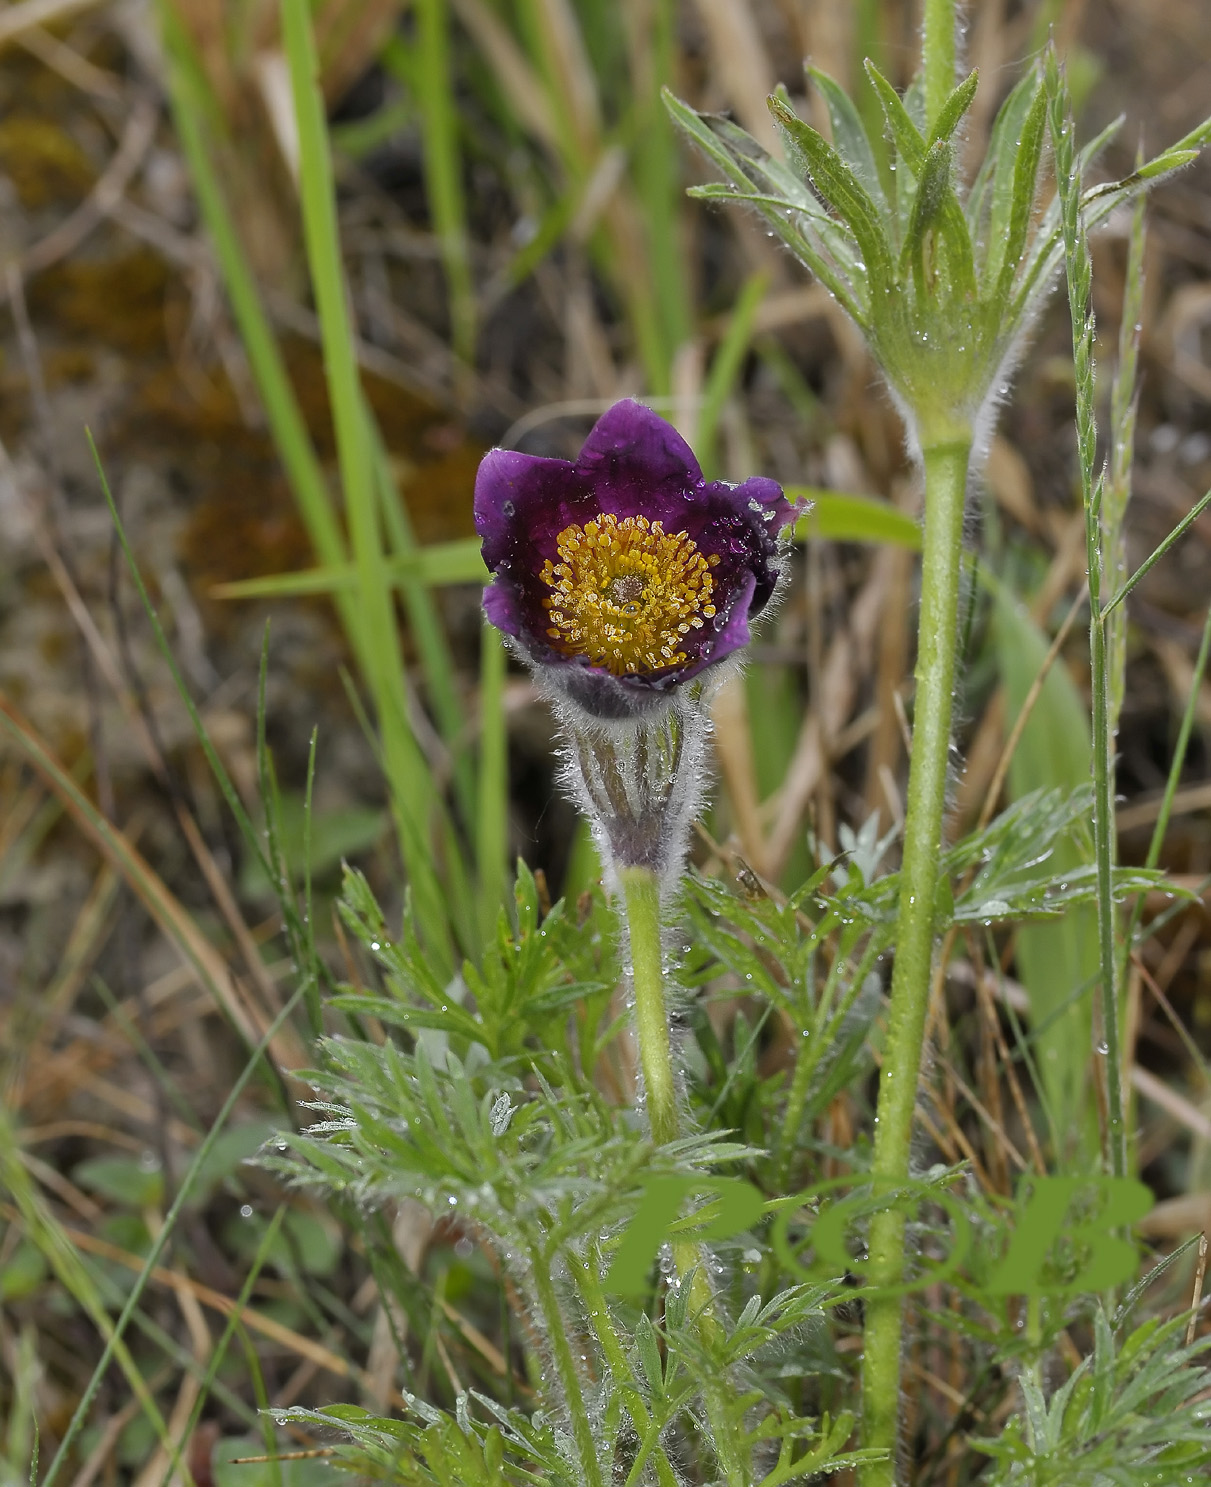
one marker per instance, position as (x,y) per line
(641,894)
(945,487)
(565,1367)
(641,891)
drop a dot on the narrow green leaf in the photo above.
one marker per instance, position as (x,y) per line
(1158,553)
(439,563)
(741,158)
(994,179)
(910,145)
(840,189)
(932,187)
(429,74)
(1053,959)
(412,788)
(849,134)
(848,518)
(954,108)
(1021,205)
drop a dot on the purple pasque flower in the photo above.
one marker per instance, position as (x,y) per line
(625,573)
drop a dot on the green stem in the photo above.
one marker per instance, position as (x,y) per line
(641,891)
(565,1367)
(1103,846)
(938,55)
(641,894)
(945,487)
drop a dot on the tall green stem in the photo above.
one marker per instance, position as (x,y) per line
(641,892)
(1103,846)
(945,486)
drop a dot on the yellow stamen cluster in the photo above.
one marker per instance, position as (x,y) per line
(625,592)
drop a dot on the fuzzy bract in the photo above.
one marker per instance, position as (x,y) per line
(625,573)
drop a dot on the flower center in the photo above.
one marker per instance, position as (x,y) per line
(625,592)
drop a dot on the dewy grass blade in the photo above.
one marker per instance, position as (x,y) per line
(991,193)
(413,790)
(1021,201)
(1078,270)
(1154,557)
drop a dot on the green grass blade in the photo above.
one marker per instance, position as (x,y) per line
(439,563)
(1053,752)
(45,1232)
(1158,553)
(188,100)
(424,622)
(492,820)
(656,170)
(428,73)
(1176,765)
(1021,202)
(412,787)
(725,369)
(219,1352)
(991,195)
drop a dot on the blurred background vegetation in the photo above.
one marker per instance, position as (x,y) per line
(290,403)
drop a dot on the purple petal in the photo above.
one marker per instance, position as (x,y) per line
(500,606)
(734,634)
(631,450)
